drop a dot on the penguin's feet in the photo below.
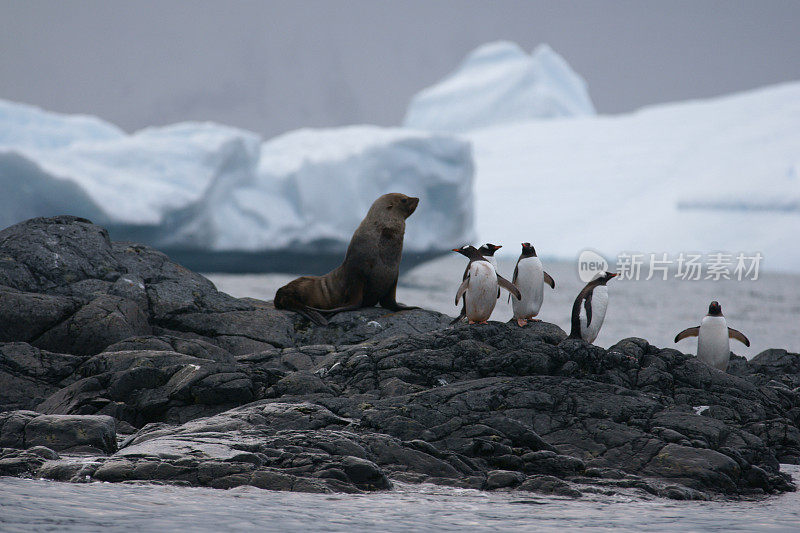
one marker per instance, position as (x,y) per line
(521,322)
(471,322)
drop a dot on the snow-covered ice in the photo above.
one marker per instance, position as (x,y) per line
(499,83)
(140,178)
(212,187)
(27,126)
(315,186)
(700,176)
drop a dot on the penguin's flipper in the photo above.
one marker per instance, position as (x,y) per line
(513,280)
(739,336)
(462,289)
(587,305)
(510,287)
(690,332)
(549,280)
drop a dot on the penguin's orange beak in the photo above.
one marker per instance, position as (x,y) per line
(455,250)
(498,247)
(614,275)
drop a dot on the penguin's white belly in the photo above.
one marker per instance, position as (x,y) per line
(530,282)
(713,344)
(481,294)
(599,305)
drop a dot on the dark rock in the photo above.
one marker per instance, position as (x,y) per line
(230,392)
(14,462)
(12,428)
(28,375)
(701,468)
(549,485)
(168,343)
(498,479)
(145,386)
(71,433)
(44,451)
(298,384)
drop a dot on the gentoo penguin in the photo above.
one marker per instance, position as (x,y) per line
(487,251)
(529,277)
(589,309)
(480,286)
(713,338)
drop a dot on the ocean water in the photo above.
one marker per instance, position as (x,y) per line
(38,505)
(766,310)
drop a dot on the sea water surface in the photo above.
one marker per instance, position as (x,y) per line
(38,505)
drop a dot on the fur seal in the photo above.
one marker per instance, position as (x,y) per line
(713,338)
(367,276)
(589,309)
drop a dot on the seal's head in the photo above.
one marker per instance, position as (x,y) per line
(396,204)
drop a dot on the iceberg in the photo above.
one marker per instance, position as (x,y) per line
(711,175)
(313,187)
(498,83)
(27,126)
(204,186)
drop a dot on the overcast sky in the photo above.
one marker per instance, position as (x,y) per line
(272,66)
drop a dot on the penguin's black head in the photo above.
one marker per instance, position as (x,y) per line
(488,249)
(604,277)
(468,251)
(714,309)
(528,250)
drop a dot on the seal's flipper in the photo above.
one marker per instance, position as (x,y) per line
(739,336)
(510,287)
(331,312)
(390,302)
(311,314)
(689,332)
(396,306)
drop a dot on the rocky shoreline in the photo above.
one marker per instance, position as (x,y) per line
(117,364)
